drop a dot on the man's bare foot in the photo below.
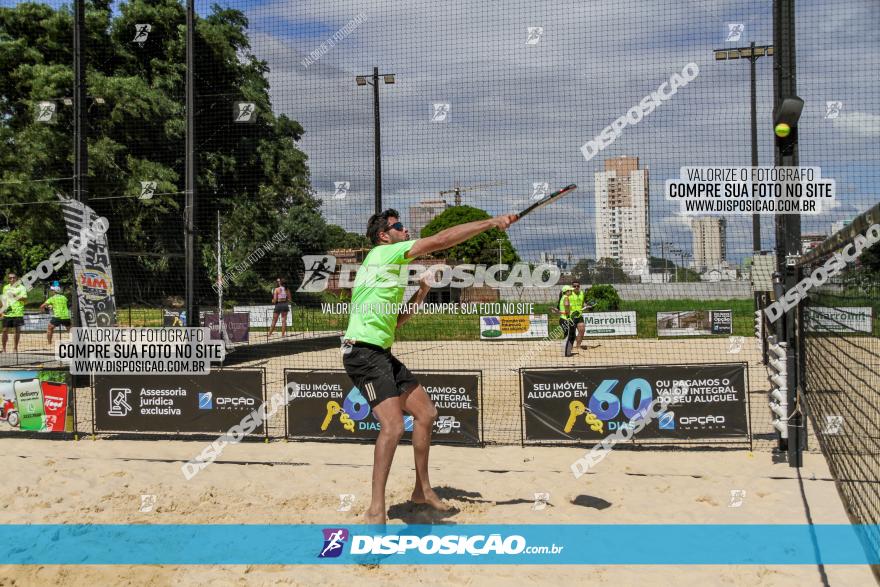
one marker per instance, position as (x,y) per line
(430,498)
(371,517)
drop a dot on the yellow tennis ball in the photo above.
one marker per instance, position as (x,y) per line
(782,130)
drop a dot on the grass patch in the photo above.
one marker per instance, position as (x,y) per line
(467,327)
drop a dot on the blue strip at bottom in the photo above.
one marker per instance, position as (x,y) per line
(182,544)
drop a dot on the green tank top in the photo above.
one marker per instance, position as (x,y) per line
(562,311)
(576,300)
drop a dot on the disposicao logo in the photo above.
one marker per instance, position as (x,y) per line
(334,540)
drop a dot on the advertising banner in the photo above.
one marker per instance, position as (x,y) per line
(821,319)
(261,316)
(507,327)
(234,323)
(173,318)
(36,401)
(330,407)
(695,323)
(609,324)
(704,401)
(91,267)
(177,403)
(38,322)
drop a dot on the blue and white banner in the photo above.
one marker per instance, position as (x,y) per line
(742,544)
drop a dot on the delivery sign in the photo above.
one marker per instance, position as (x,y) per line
(35,401)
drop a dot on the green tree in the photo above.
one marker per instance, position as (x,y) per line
(870,259)
(583,270)
(254,175)
(609,270)
(338,238)
(603,298)
(482,248)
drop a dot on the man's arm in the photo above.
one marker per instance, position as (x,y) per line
(416,300)
(458,234)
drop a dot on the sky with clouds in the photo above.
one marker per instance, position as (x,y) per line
(519,113)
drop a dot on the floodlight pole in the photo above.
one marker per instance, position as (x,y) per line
(378,141)
(80,140)
(756,218)
(80,146)
(752,54)
(192,316)
(373,79)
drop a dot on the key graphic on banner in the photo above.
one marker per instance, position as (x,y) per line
(575,409)
(334,408)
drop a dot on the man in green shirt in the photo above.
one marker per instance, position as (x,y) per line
(390,388)
(60,311)
(578,304)
(13,296)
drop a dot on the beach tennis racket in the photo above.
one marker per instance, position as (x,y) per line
(548,199)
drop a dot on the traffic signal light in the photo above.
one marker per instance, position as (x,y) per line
(785,121)
(779,381)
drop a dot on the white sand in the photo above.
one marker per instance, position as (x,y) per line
(102,482)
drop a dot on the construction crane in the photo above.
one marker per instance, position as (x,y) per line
(458,190)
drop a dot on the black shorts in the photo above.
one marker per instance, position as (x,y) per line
(377,373)
(16,322)
(60,321)
(282,308)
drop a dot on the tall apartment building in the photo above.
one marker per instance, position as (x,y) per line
(423,213)
(622,214)
(710,242)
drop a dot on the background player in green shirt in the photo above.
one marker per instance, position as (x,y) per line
(60,311)
(14,294)
(578,305)
(390,388)
(565,322)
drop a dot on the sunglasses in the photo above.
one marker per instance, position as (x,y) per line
(395,226)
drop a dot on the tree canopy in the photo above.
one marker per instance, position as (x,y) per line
(253,175)
(482,248)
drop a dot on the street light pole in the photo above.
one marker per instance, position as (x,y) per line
(665,261)
(675,251)
(189,214)
(752,53)
(756,218)
(378,141)
(373,80)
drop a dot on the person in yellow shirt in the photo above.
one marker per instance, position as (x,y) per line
(389,387)
(60,311)
(565,322)
(13,297)
(578,304)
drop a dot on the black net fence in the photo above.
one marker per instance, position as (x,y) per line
(482,110)
(841,362)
